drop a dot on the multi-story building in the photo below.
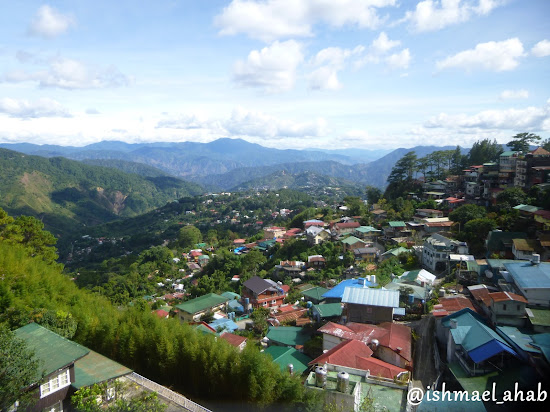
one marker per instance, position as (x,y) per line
(258,292)
(436,251)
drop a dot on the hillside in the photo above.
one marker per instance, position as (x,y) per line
(66,194)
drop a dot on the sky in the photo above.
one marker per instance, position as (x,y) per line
(331,74)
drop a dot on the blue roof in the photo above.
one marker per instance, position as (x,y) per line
(373,297)
(490,349)
(224,323)
(338,291)
(529,276)
(235,306)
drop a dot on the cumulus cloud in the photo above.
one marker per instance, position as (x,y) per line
(70,74)
(272,68)
(269,20)
(492,56)
(379,52)
(514,94)
(541,49)
(48,22)
(431,15)
(25,109)
(331,60)
(383,44)
(529,118)
(399,60)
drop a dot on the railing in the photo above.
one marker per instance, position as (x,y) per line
(167,393)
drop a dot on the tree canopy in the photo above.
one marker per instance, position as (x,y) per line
(522,141)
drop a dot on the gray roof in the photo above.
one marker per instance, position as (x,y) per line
(373,297)
(258,285)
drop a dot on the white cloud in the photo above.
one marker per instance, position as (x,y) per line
(331,60)
(26,110)
(431,15)
(272,68)
(493,56)
(399,60)
(71,74)
(275,19)
(383,44)
(529,118)
(514,94)
(48,22)
(541,49)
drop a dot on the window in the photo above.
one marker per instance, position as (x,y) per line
(504,307)
(518,308)
(273,302)
(59,381)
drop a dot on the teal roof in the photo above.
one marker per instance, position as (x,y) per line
(396,251)
(202,303)
(287,335)
(95,368)
(200,245)
(352,240)
(507,154)
(328,310)
(526,208)
(54,351)
(419,292)
(284,356)
(315,293)
(231,295)
(397,224)
(542,341)
(366,229)
(520,339)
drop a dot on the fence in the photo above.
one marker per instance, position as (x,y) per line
(167,393)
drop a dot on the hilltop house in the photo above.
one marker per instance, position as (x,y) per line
(258,292)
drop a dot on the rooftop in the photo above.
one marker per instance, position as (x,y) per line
(529,276)
(337,292)
(202,303)
(315,293)
(287,335)
(372,297)
(95,368)
(351,240)
(284,356)
(540,317)
(329,310)
(232,339)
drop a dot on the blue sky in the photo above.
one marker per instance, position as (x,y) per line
(283,73)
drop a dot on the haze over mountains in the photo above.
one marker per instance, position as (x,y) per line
(227,164)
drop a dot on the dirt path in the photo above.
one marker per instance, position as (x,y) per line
(425,372)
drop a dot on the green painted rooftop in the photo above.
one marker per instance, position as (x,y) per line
(329,310)
(397,224)
(288,335)
(284,356)
(352,240)
(55,351)
(95,368)
(541,317)
(366,229)
(202,303)
(315,293)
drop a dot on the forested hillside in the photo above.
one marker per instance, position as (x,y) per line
(66,194)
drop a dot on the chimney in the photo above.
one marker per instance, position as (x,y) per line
(535,259)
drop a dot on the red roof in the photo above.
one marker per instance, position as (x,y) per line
(239,241)
(347,225)
(308,224)
(480,294)
(455,304)
(398,339)
(506,297)
(233,339)
(195,253)
(161,313)
(378,367)
(345,354)
(288,308)
(285,288)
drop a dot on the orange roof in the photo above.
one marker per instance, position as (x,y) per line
(506,297)
(378,367)
(455,304)
(233,339)
(539,151)
(345,354)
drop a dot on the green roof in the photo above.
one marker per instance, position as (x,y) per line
(526,208)
(202,303)
(200,245)
(315,293)
(204,329)
(55,351)
(396,251)
(284,356)
(231,295)
(351,240)
(541,317)
(95,368)
(329,310)
(397,224)
(508,154)
(287,335)
(366,229)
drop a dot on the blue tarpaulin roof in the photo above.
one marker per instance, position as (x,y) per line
(490,349)
(235,306)
(337,292)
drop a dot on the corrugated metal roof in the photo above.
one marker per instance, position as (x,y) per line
(315,293)
(397,224)
(288,335)
(95,368)
(284,356)
(373,297)
(328,310)
(202,303)
(529,276)
(55,351)
(338,291)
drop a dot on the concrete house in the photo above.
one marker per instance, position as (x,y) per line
(317,235)
(260,292)
(436,251)
(365,305)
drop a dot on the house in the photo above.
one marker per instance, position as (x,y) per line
(236,341)
(313,222)
(476,347)
(289,359)
(450,305)
(328,311)
(426,213)
(369,254)
(532,280)
(258,292)
(289,268)
(194,309)
(542,218)
(274,232)
(419,276)
(539,320)
(337,292)
(500,243)
(389,342)
(507,308)
(367,233)
(223,324)
(344,228)
(316,261)
(523,249)
(288,313)
(412,294)
(378,214)
(394,229)
(66,366)
(365,305)
(317,235)
(436,251)
(352,242)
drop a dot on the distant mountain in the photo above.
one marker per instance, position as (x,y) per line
(128,167)
(309,182)
(66,194)
(358,155)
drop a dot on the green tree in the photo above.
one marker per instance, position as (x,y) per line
(484,151)
(522,141)
(373,194)
(511,197)
(466,213)
(404,169)
(18,369)
(189,236)
(259,316)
